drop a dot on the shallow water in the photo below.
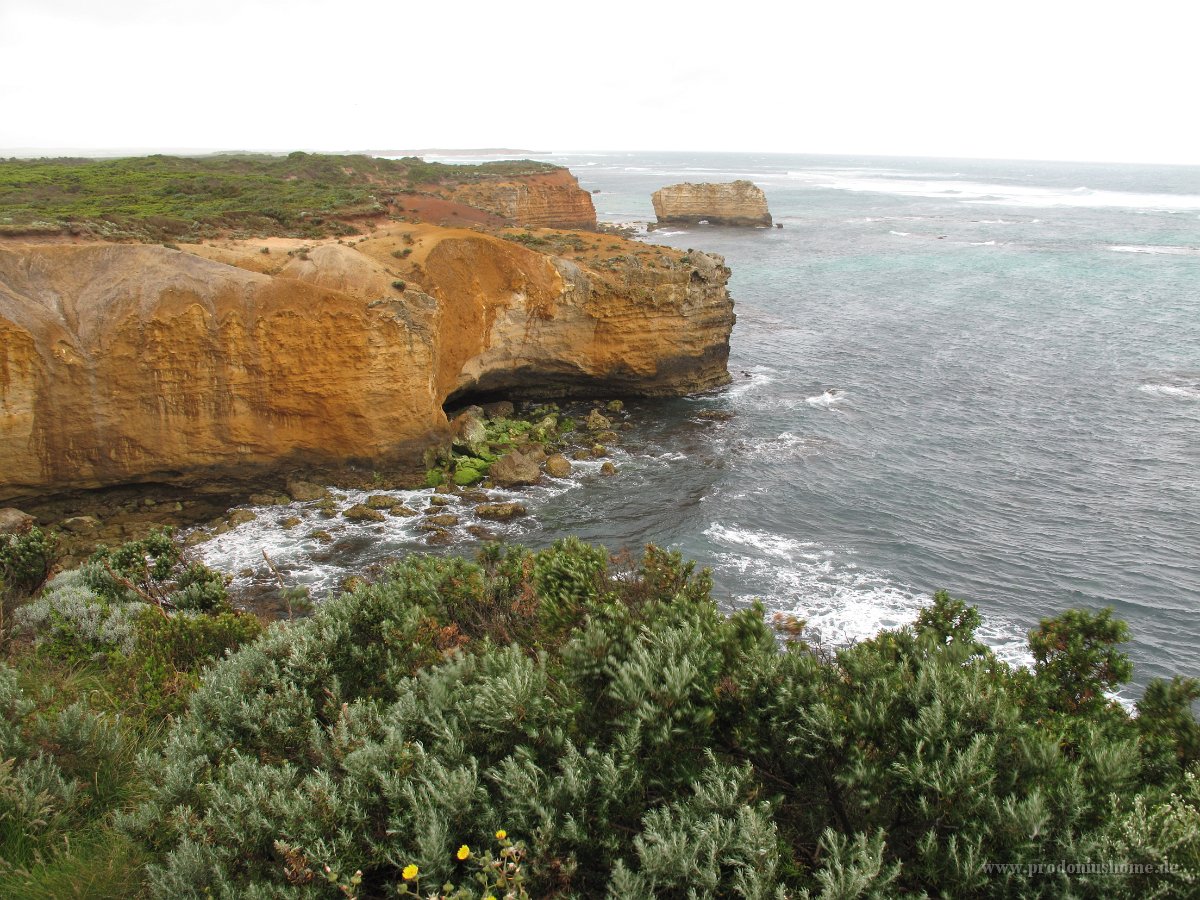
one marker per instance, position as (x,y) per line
(977,376)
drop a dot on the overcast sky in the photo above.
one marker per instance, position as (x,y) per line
(1053,79)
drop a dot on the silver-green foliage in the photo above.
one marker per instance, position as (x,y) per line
(43,794)
(638,742)
(69,614)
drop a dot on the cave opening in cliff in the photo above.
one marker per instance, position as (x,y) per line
(461,399)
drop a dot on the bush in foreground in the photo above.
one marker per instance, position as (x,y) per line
(109,651)
(633,741)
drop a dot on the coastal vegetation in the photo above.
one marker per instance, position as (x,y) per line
(170,198)
(568,723)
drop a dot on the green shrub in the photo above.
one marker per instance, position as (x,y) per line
(152,619)
(639,742)
(57,767)
(25,561)
(153,570)
(71,621)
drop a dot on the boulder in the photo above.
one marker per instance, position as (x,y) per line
(198,536)
(380,501)
(13,521)
(501,409)
(500,512)
(290,522)
(360,513)
(517,468)
(442,520)
(558,466)
(608,469)
(467,430)
(241,517)
(267,499)
(402,510)
(306,491)
(80,524)
(597,421)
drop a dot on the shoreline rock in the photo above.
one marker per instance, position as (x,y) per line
(739,203)
(130,364)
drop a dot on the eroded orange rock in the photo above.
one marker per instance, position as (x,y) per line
(551,200)
(126,363)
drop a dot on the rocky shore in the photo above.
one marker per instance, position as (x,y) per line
(144,385)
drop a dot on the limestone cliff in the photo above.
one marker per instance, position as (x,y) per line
(551,200)
(727,203)
(132,363)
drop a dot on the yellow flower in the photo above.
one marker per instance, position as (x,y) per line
(501,834)
(410,872)
(463,852)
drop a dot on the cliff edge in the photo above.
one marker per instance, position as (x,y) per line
(725,203)
(550,200)
(124,363)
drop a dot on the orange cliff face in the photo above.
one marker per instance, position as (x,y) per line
(128,363)
(550,200)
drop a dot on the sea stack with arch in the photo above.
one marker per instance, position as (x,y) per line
(722,203)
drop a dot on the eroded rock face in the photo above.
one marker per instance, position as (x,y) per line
(553,200)
(128,363)
(725,203)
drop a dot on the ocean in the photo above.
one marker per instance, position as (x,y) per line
(976,376)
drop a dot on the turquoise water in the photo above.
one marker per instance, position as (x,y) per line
(977,376)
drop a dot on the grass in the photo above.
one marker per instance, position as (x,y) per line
(85,855)
(156,198)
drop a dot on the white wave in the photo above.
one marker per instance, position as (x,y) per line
(1155,249)
(841,603)
(784,446)
(1177,391)
(319,562)
(901,233)
(827,399)
(747,380)
(994,194)
(983,243)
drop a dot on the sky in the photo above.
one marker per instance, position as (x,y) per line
(1054,79)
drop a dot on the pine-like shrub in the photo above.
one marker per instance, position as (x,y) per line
(56,766)
(25,561)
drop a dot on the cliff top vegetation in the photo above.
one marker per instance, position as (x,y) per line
(159,198)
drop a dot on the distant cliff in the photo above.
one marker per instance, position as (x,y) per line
(728,203)
(551,200)
(131,363)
